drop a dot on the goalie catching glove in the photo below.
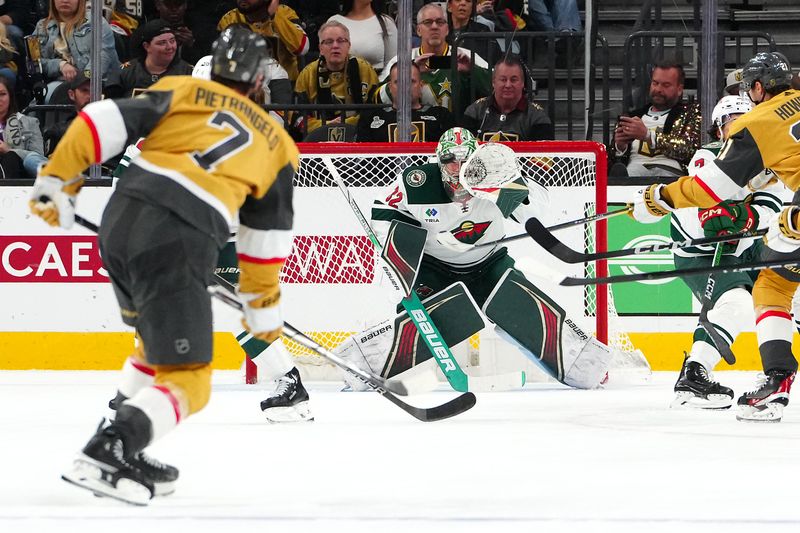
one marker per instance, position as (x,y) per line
(727,218)
(649,206)
(493,173)
(53,200)
(782,233)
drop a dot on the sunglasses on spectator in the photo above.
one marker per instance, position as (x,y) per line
(430,22)
(339,40)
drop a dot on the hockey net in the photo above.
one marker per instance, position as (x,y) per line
(330,282)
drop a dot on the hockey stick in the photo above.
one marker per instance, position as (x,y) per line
(225,292)
(410,301)
(722,345)
(535,268)
(547,240)
(463,402)
(229,297)
(445,238)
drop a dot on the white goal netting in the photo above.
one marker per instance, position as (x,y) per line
(330,283)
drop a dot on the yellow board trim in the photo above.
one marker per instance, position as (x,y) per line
(91,351)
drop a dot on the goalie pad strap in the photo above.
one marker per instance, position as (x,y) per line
(532,321)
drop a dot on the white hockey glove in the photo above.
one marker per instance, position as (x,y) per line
(262,316)
(782,233)
(53,200)
(648,206)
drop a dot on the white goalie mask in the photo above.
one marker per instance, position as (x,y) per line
(454,148)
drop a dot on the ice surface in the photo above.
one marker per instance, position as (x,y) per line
(543,459)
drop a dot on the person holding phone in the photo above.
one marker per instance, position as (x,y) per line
(435,62)
(660,138)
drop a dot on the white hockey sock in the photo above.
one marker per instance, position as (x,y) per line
(135,377)
(273,362)
(161,406)
(732,313)
(774,331)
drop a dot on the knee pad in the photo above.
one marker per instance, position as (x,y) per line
(191,384)
(773,290)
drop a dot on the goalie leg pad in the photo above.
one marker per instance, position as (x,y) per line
(394,346)
(533,322)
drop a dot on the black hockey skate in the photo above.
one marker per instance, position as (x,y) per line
(162,475)
(766,403)
(695,389)
(102,469)
(289,402)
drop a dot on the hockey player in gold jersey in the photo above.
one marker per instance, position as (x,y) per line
(210,155)
(766,137)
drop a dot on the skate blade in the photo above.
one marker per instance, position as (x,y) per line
(295,413)
(771,412)
(86,474)
(714,402)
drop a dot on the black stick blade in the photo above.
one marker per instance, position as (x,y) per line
(546,240)
(456,406)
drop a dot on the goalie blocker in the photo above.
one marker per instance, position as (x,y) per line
(523,315)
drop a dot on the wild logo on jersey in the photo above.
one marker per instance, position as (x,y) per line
(470,232)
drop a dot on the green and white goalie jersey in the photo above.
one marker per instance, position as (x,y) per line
(418,197)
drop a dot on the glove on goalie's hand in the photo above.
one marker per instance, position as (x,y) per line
(648,206)
(53,200)
(782,233)
(726,218)
(262,316)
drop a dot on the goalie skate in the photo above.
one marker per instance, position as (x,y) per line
(766,403)
(102,469)
(696,390)
(289,402)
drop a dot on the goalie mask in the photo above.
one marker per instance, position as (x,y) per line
(454,148)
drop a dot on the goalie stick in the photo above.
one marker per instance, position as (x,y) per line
(457,405)
(445,238)
(225,292)
(548,241)
(722,345)
(410,301)
(535,268)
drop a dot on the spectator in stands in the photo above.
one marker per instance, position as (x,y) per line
(336,77)
(373,34)
(271,19)
(65,40)
(156,56)
(16,15)
(78,94)
(733,82)
(508,115)
(501,15)
(556,15)
(313,14)
(173,12)
(433,57)
(461,17)
(9,58)
(21,146)
(660,138)
(428,123)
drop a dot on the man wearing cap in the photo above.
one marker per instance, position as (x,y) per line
(79,95)
(733,82)
(156,48)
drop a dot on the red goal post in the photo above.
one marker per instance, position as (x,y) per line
(329,282)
